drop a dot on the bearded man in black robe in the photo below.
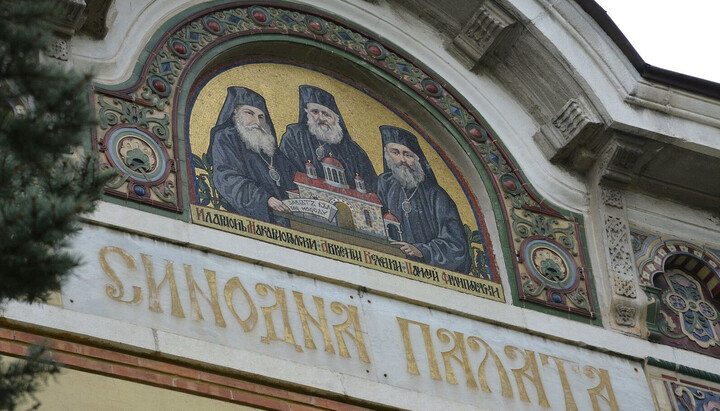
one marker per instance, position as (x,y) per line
(321,132)
(431,227)
(251,175)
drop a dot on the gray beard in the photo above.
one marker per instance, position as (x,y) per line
(409,178)
(255,138)
(332,135)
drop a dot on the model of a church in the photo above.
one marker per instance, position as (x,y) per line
(358,209)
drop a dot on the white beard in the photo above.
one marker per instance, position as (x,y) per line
(409,178)
(332,135)
(256,138)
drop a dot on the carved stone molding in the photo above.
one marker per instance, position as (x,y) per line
(491,28)
(577,120)
(96,18)
(59,49)
(611,197)
(625,315)
(573,135)
(627,304)
(619,162)
(86,16)
(71,18)
(619,247)
(624,287)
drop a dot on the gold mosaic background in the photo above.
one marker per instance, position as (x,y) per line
(278,84)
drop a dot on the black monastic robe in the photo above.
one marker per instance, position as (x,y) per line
(299,146)
(433,225)
(241,176)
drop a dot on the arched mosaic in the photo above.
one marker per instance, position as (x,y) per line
(682,282)
(688,313)
(655,254)
(542,244)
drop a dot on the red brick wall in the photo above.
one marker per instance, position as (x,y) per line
(159,373)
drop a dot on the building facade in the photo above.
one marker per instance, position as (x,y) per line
(555,199)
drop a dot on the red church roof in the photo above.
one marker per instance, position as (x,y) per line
(390,217)
(302,178)
(333,162)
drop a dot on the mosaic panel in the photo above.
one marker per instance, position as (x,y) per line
(654,251)
(134,140)
(688,390)
(682,282)
(149,103)
(319,177)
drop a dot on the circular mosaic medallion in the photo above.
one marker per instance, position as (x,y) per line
(259,15)
(556,298)
(139,190)
(135,153)
(549,263)
(432,87)
(707,310)
(274,175)
(213,25)
(159,85)
(179,48)
(677,302)
(510,184)
(375,50)
(315,25)
(406,206)
(476,132)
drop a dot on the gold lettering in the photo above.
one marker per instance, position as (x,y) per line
(412,366)
(321,324)
(604,385)
(249,323)
(194,289)
(474,344)
(279,293)
(529,370)
(354,321)
(570,404)
(117,291)
(154,288)
(446,336)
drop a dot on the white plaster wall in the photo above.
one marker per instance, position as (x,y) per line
(398,288)
(667,217)
(87,310)
(681,116)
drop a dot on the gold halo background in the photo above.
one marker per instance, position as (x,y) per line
(278,84)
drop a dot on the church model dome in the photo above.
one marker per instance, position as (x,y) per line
(334,172)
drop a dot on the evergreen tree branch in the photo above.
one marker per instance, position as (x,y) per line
(45,185)
(20,380)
